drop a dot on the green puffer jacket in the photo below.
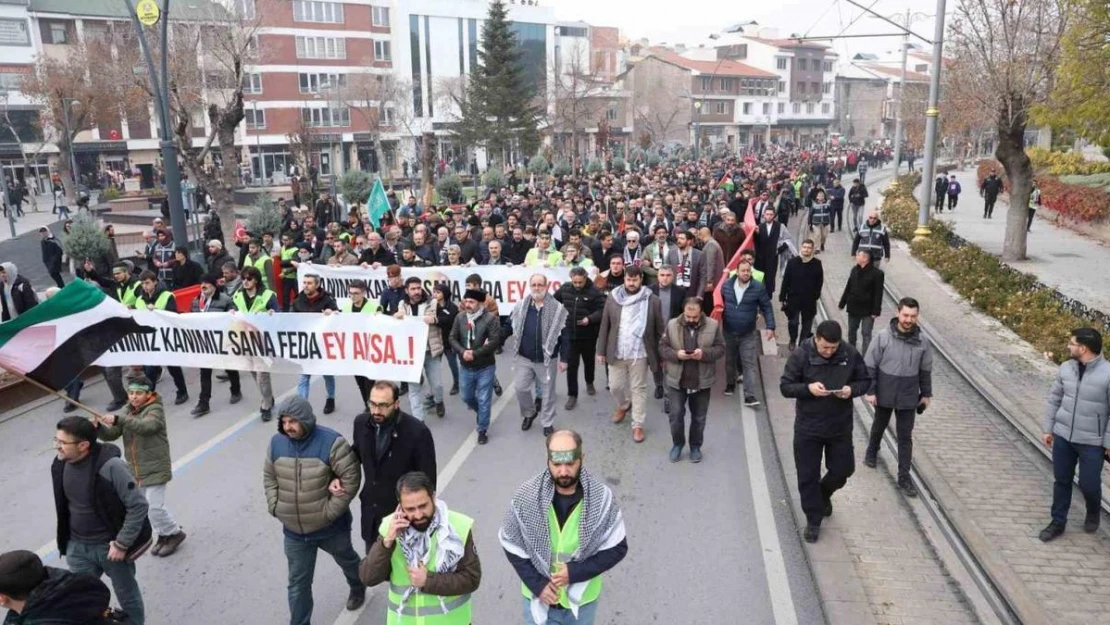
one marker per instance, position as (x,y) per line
(298,470)
(146,445)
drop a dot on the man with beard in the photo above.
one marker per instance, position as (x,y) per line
(476,336)
(873,238)
(417,304)
(538,322)
(802,281)
(584,303)
(562,532)
(310,476)
(714,267)
(427,553)
(660,252)
(153,296)
(729,235)
(632,323)
(516,249)
(606,281)
(632,252)
(389,443)
(691,347)
(314,299)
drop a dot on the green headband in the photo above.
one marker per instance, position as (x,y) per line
(563,457)
(139,386)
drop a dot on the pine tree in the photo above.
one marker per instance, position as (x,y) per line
(86,238)
(265,216)
(498,108)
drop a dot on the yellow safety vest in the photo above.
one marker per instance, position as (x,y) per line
(287,254)
(369,308)
(260,304)
(564,543)
(422,608)
(260,265)
(128,294)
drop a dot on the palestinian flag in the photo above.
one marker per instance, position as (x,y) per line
(54,341)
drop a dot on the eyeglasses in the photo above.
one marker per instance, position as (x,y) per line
(381,405)
(57,442)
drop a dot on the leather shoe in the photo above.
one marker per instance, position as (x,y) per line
(329,405)
(1051,532)
(483,438)
(539,404)
(454,389)
(441,410)
(676,453)
(527,423)
(812,533)
(590,390)
(180,399)
(658,392)
(828,507)
(356,599)
(870,461)
(638,435)
(907,488)
(571,403)
(1091,523)
(200,410)
(236,398)
(548,431)
(619,414)
(171,543)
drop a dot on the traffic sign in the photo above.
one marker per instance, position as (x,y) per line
(148,12)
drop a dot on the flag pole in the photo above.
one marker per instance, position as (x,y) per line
(51,391)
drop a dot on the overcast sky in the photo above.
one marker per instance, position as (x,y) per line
(691,21)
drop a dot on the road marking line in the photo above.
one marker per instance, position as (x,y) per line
(442,480)
(778,584)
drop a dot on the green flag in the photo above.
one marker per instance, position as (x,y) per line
(377,205)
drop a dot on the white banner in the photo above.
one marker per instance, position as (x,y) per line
(375,346)
(507,285)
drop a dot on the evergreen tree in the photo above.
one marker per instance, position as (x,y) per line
(86,239)
(264,216)
(499,104)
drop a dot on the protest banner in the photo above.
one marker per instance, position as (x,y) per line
(506,285)
(380,348)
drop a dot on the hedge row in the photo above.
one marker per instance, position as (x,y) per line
(1065,163)
(1073,201)
(1008,295)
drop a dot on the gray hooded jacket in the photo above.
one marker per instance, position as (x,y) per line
(1079,407)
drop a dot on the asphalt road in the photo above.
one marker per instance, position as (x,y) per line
(712,543)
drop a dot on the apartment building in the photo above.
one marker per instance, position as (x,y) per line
(867,90)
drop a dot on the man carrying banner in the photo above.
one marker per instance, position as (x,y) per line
(358,303)
(476,337)
(538,323)
(154,296)
(259,260)
(418,303)
(213,299)
(252,298)
(314,299)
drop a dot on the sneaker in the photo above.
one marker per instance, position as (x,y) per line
(181,398)
(571,403)
(751,401)
(590,390)
(266,414)
(454,389)
(729,390)
(1051,532)
(483,438)
(172,542)
(115,405)
(869,461)
(329,405)
(548,431)
(740,378)
(812,533)
(497,388)
(658,392)
(676,453)
(236,398)
(695,454)
(441,410)
(356,599)
(200,410)
(1091,523)
(907,488)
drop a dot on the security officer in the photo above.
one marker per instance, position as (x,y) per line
(823,375)
(873,237)
(252,297)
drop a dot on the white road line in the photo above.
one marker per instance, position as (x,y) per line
(50,549)
(448,473)
(778,584)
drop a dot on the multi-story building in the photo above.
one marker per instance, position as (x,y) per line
(19,130)
(867,91)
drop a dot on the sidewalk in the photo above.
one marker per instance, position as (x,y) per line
(1055,254)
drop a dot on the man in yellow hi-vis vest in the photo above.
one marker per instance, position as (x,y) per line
(427,553)
(562,532)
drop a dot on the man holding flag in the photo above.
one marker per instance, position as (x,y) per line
(378,204)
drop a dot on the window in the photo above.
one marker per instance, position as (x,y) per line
(815,88)
(389,117)
(573,31)
(827,89)
(747,108)
(326,117)
(742,51)
(726,84)
(320,12)
(706,83)
(780,62)
(825,108)
(827,66)
(720,107)
(315,83)
(801,88)
(802,64)
(9,81)
(611,114)
(782,86)
(766,108)
(809,108)
(251,49)
(245,9)
(382,51)
(256,118)
(252,83)
(379,16)
(921,68)
(782,108)
(59,34)
(797,108)
(321,48)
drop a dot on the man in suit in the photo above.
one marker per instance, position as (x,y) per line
(671,296)
(768,239)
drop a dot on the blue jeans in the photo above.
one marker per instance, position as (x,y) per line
(301,555)
(329,385)
(92,559)
(477,392)
(1065,455)
(452,363)
(559,616)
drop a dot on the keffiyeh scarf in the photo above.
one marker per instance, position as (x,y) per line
(415,546)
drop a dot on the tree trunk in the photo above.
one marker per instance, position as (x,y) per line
(1019,171)
(427,166)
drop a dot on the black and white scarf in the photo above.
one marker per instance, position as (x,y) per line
(415,545)
(526,530)
(553,317)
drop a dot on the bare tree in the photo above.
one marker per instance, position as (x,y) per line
(1006,52)
(579,100)
(380,100)
(9,128)
(660,115)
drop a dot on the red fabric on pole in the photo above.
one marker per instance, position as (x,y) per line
(749,244)
(184,298)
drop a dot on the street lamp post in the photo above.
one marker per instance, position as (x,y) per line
(160,88)
(931,114)
(257,141)
(67,104)
(697,129)
(898,100)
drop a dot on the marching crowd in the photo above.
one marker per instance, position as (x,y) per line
(646,251)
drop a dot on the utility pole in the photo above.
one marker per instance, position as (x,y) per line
(898,99)
(151,15)
(931,114)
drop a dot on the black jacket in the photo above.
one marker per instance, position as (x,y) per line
(187,274)
(63,598)
(584,303)
(324,302)
(381,256)
(23,298)
(801,285)
(484,339)
(991,187)
(863,294)
(830,415)
(52,253)
(678,296)
(410,448)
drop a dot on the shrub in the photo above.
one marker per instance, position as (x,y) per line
(539,165)
(637,156)
(265,216)
(355,185)
(653,159)
(111,193)
(493,178)
(618,165)
(595,166)
(561,168)
(450,188)
(1072,201)
(86,238)
(1010,296)
(1065,163)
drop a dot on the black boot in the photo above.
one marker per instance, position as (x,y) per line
(201,409)
(329,406)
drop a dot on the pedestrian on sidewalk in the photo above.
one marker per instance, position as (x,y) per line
(874,238)
(1075,429)
(310,476)
(820,216)
(538,322)
(823,375)
(691,346)
(52,255)
(954,190)
(1034,204)
(990,189)
(857,197)
(802,281)
(389,444)
(940,190)
(900,364)
(102,516)
(146,446)
(632,323)
(476,336)
(563,531)
(213,299)
(863,298)
(426,552)
(744,299)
